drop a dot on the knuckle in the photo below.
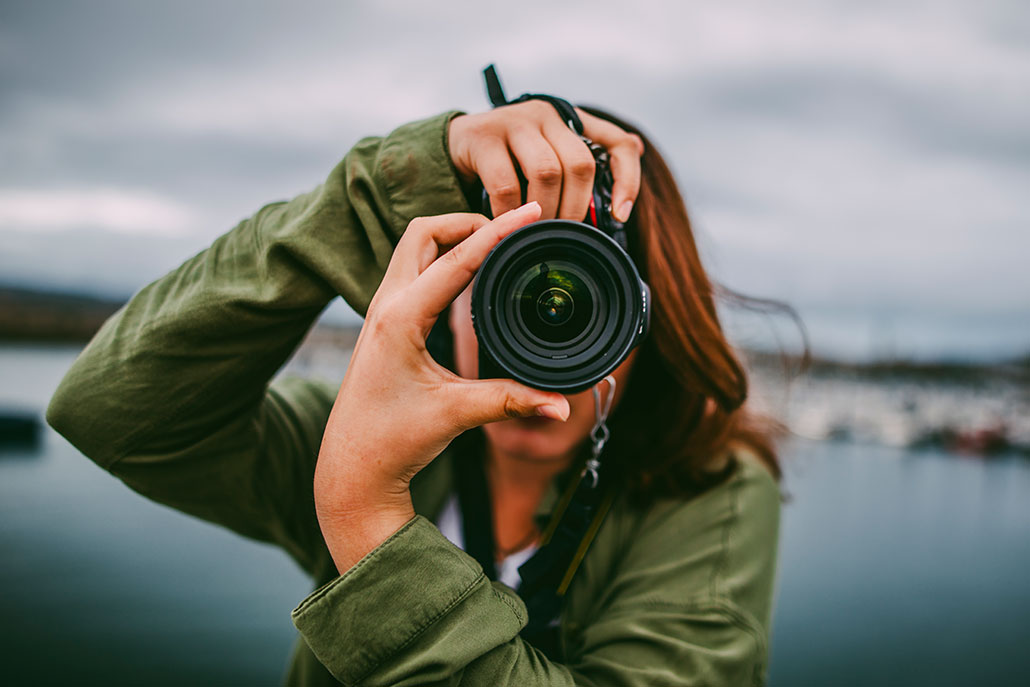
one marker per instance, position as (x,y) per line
(547,174)
(455,257)
(477,125)
(520,128)
(512,408)
(534,110)
(457,260)
(383,318)
(484,125)
(637,143)
(582,167)
(507,191)
(417,225)
(538,108)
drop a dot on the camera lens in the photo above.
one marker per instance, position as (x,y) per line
(554,301)
(557,305)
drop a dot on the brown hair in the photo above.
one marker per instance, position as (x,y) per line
(684,407)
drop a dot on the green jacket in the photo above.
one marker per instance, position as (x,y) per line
(173,397)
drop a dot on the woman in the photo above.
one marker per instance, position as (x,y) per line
(172,396)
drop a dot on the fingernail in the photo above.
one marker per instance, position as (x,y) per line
(624,211)
(530,204)
(550,411)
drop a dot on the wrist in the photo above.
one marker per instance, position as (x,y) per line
(354,531)
(356,513)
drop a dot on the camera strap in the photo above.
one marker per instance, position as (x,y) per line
(571,529)
(564,544)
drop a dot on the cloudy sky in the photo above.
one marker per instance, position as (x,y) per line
(868,162)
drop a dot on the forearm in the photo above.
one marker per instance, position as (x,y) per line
(355,515)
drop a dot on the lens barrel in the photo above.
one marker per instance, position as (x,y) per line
(557,305)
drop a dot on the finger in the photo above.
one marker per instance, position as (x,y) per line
(476,402)
(541,166)
(442,281)
(625,150)
(424,240)
(578,169)
(495,169)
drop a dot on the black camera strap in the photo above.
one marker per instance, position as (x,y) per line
(473,492)
(573,524)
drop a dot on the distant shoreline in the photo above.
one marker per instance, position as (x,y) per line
(35,316)
(961,407)
(30,316)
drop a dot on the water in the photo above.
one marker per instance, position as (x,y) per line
(903,568)
(897,568)
(101,586)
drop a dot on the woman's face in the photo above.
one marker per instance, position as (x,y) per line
(536,438)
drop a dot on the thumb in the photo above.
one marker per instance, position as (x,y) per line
(477,402)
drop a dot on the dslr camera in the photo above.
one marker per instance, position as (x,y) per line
(558,305)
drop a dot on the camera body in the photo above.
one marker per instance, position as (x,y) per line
(558,305)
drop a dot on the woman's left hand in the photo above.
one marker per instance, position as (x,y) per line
(397,409)
(557,164)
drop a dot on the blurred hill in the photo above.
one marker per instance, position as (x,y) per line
(46,316)
(41,316)
(36,316)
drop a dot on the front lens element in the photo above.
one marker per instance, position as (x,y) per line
(555,306)
(554,301)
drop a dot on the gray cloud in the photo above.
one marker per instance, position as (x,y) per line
(868,163)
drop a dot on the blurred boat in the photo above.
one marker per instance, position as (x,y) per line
(982,441)
(983,414)
(19,429)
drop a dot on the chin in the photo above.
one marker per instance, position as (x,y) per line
(537,439)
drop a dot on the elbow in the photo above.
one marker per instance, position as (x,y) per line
(63,414)
(71,412)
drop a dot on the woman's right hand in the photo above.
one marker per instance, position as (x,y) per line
(556,162)
(397,408)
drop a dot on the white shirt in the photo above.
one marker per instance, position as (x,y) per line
(450,526)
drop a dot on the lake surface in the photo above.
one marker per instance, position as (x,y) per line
(897,568)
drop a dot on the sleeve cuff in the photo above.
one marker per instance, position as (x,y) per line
(414,603)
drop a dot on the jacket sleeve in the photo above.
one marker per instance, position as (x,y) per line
(172,394)
(688,604)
